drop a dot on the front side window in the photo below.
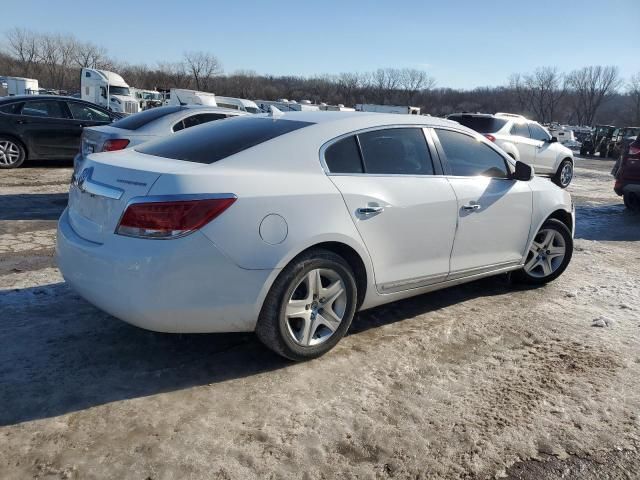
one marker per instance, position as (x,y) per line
(12,108)
(520,130)
(468,157)
(343,156)
(396,151)
(43,108)
(84,112)
(538,133)
(481,124)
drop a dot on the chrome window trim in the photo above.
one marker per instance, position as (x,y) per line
(328,143)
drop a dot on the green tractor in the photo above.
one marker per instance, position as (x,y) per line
(598,141)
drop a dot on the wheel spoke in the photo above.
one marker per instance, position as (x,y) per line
(297,309)
(546,267)
(329,318)
(548,239)
(531,264)
(314,284)
(332,292)
(307,331)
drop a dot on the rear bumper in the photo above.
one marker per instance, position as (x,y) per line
(184,285)
(623,187)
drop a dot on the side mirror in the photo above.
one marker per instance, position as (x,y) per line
(523,172)
(553,140)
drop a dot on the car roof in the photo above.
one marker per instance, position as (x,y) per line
(39,97)
(470,114)
(361,119)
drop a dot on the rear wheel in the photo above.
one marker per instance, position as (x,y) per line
(564,175)
(309,307)
(12,153)
(632,201)
(549,255)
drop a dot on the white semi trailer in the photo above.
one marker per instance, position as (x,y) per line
(107,89)
(180,96)
(22,86)
(369,107)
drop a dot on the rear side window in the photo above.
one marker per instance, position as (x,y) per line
(520,129)
(344,156)
(468,157)
(479,124)
(396,151)
(12,108)
(139,120)
(214,141)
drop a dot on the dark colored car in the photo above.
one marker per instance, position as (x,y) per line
(621,140)
(598,141)
(628,177)
(45,127)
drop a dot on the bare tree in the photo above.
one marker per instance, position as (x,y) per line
(202,66)
(413,81)
(91,56)
(591,86)
(539,92)
(23,46)
(633,90)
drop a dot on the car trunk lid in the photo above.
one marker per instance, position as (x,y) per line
(100,192)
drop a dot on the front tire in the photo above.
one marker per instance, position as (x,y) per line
(549,255)
(12,153)
(310,306)
(632,201)
(564,175)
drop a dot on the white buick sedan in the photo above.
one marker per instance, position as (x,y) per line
(288,224)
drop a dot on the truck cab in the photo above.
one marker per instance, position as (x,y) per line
(107,89)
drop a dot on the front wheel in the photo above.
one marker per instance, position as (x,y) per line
(549,255)
(564,175)
(309,307)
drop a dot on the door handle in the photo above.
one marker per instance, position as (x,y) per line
(21,122)
(370,210)
(471,206)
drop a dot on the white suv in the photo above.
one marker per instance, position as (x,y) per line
(523,140)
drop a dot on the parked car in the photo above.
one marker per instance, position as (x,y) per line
(628,177)
(43,127)
(620,141)
(288,224)
(523,140)
(598,141)
(147,125)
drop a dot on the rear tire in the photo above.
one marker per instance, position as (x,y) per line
(632,202)
(549,255)
(564,175)
(12,153)
(310,306)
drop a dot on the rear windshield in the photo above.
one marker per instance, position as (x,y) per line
(214,141)
(138,120)
(479,124)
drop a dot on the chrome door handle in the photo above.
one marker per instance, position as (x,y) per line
(471,206)
(370,210)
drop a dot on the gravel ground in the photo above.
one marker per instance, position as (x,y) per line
(479,381)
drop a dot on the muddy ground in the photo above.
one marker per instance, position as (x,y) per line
(479,381)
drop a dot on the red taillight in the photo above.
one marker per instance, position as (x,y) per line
(634,150)
(490,137)
(170,219)
(115,144)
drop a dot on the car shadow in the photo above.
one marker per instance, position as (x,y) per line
(64,163)
(33,206)
(58,354)
(607,222)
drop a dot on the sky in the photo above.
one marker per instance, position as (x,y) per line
(461,43)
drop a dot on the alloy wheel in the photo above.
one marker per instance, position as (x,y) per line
(9,153)
(546,253)
(566,175)
(316,307)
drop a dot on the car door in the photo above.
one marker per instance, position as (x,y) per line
(494,211)
(403,208)
(526,146)
(83,116)
(47,128)
(546,152)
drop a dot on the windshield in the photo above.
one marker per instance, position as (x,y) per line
(478,123)
(139,120)
(252,110)
(124,91)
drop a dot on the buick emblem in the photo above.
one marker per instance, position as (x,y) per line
(80,180)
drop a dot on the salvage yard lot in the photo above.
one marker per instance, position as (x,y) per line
(468,382)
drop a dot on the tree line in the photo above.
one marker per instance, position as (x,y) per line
(589,95)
